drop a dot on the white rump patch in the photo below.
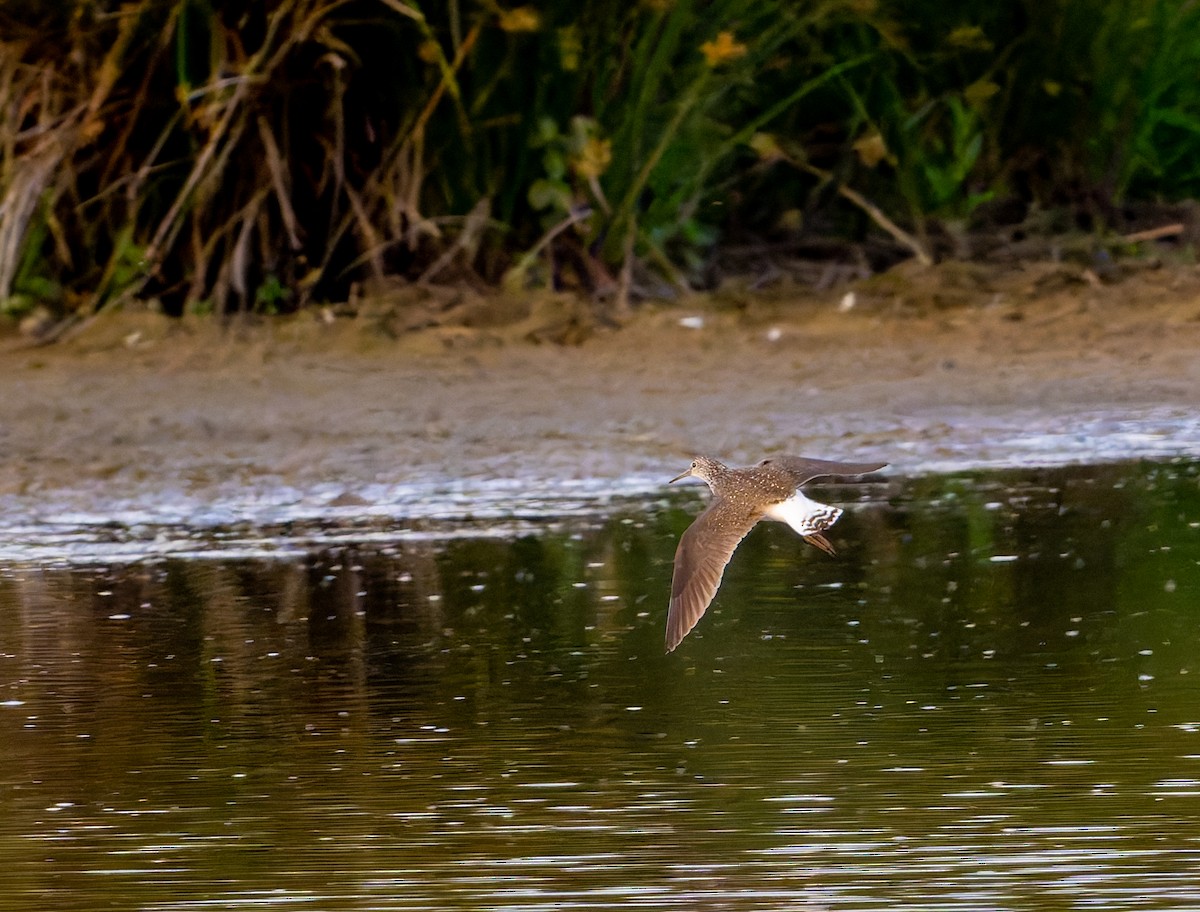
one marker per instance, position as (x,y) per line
(805,516)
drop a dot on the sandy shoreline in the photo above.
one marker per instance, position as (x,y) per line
(193,423)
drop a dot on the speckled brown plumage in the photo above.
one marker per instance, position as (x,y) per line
(741,497)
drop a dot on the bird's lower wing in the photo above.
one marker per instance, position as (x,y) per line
(704,550)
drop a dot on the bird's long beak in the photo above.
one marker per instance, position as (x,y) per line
(681,475)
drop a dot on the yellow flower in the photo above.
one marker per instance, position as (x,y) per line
(970,38)
(767,146)
(593,159)
(521,19)
(721,49)
(871,149)
(978,93)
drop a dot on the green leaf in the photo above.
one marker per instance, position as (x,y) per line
(549,194)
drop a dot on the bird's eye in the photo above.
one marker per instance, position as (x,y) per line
(765,462)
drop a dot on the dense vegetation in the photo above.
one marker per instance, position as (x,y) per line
(228,156)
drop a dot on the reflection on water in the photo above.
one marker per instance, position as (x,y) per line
(990,699)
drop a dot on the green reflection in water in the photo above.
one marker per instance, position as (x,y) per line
(990,699)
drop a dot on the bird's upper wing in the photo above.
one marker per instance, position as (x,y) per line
(704,550)
(806,469)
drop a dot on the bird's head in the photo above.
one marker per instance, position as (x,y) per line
(702,467)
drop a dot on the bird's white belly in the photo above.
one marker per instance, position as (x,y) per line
(805,516)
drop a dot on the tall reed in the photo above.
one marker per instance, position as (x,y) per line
(221,156)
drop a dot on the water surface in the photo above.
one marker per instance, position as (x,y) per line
(989,700)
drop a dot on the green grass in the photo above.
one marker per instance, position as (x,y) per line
(268,157)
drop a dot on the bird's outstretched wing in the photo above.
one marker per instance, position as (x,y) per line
(704,550)
(804,469)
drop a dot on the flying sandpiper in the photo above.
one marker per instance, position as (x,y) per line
(741,497)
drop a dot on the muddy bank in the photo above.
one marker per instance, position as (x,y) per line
(143,420)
